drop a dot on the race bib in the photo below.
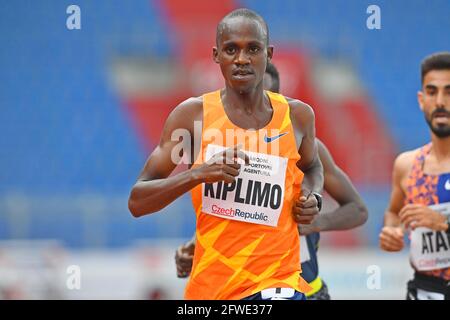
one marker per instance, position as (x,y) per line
(257,194)
(430,249)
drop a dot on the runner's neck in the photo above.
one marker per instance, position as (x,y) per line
(250,102)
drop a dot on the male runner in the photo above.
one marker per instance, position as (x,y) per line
(351,213)
(247,239)
(420,198)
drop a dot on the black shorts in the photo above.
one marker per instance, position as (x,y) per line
(423,287)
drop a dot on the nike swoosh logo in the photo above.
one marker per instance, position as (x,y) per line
(447,185)
(270,139)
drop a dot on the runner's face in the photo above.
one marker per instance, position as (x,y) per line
(242,53)
(434,100)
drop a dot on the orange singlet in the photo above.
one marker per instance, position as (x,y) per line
(247,239)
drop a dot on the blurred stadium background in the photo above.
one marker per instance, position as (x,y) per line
(80,110)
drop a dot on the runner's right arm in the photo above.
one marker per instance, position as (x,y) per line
(154,188)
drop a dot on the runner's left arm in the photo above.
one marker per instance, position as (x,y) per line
(306,207)
(351,212)
(304,123)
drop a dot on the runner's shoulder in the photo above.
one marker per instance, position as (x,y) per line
(404,161)
(300,110)
(185,113)
(298,105)
(193,104)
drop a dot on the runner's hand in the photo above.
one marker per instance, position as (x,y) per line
(305,209)
(223,166)
(391,239)
(417,215)
(183,259)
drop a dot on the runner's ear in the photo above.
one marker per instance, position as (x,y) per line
(215,55)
